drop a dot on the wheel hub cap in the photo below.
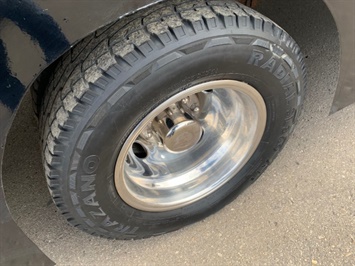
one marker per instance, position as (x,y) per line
(177,129)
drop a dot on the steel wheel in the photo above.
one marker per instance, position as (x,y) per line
(190,145)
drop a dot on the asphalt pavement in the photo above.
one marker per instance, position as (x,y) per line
(301,211)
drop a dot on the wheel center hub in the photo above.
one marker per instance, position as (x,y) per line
(178,131)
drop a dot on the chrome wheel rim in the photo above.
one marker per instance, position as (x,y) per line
(190,145)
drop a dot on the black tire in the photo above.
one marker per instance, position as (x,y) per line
(111,80)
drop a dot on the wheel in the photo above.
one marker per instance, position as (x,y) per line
(155,121)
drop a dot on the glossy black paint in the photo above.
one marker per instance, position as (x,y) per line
(34,33)
(44,32)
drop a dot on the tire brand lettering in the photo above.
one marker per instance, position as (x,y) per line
(88,179)
(90,166)
(286,80)
(256,57)
(89,200)
(289,87)
(108,223)
(96,214)
(270,64)
(280,72)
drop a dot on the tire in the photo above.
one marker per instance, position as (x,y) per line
(106,88)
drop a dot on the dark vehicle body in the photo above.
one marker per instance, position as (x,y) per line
(35,33)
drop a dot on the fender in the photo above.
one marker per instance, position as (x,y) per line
(343,13)
(34,33)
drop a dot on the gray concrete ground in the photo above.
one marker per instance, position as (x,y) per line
(300,212)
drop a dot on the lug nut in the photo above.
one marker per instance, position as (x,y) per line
(196,109)
(185,100)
